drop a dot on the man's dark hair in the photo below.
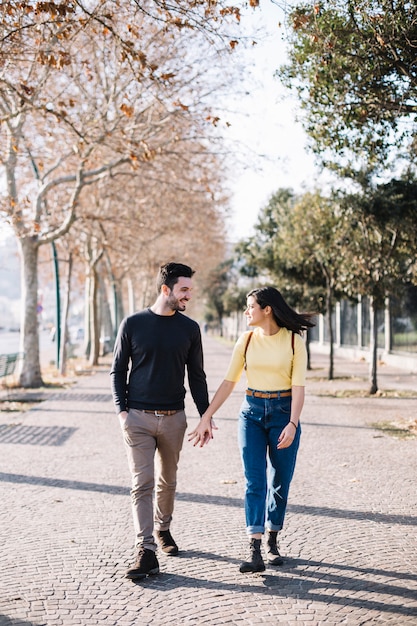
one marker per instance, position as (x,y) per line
(170,273)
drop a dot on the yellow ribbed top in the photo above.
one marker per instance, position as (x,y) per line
(271,365)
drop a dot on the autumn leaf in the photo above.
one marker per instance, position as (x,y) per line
(182,106)
(127,110)
(231,11)
(300,20)
(28,90)
(141,56)
(213,120)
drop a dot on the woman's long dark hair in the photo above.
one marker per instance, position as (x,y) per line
(283,314)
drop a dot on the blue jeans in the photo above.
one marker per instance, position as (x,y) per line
(268,471)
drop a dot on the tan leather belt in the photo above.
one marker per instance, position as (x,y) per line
(158,413)
(267,394)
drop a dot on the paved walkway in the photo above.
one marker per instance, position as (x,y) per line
(350,539)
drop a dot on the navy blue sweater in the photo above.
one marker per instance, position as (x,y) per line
(150,356)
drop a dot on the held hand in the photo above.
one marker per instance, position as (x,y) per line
(287,436)
(203,433)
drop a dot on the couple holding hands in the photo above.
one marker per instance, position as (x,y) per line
(153,349)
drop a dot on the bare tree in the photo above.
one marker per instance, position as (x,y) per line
(80,100)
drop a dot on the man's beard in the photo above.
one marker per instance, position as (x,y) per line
(175,304)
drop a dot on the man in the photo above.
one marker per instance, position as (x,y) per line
(156,344)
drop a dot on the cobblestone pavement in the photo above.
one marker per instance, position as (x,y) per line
(350,539)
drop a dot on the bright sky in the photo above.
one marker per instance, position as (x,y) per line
(267,125)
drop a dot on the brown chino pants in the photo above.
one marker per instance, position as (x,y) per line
(144,434)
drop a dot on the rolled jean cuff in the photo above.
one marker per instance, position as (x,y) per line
(274,527)
(254,530)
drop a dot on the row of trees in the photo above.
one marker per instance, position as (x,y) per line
(110,155)
(318,249)
(107,142)
(352,65)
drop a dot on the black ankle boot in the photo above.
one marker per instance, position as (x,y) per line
(256,563)
(273,555)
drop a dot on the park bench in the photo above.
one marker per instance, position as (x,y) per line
(8,364)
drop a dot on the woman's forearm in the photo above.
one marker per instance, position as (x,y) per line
(204,430)
(297,403)
(223,392)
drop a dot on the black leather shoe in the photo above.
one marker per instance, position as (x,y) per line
(167,542)
(146,564)
(272,552)
(256,563)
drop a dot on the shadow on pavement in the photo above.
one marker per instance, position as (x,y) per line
(8,621)
(35,435)
(385,518)
(305,580)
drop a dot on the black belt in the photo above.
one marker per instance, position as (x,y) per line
(268,394)
(159,413)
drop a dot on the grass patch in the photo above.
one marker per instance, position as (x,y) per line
(363,393)
(17,406)
(400,429)
(322,379)
(20,399)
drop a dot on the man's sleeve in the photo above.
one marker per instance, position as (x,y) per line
(119,369)
(196,375)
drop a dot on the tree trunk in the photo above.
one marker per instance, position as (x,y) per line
(329,307)
(64,321)
(308,349)
(131,297)
(87,315)
(30,368)
(113,298)
(119,310)
(105,315)
(94,321)
(373,348)
(387,325)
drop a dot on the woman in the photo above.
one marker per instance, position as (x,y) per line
(275,359)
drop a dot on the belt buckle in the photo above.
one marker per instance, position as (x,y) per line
(158,414)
